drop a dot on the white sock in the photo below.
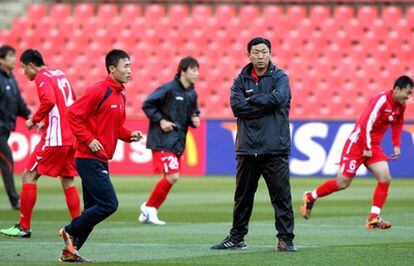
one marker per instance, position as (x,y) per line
(376,210)
(314,195)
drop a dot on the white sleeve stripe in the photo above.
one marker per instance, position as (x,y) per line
(373,117)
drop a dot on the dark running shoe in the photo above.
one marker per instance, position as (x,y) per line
(286,245)
(307,205)
(68,242)
(66,256)
(229,243)
(377,223)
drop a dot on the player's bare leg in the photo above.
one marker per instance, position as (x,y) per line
(381,172)
(71,195)
(309,197)
(149,209)
(28,197)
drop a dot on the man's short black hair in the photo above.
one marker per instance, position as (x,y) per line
(185,63)
(5,49)
(32,56)
(112,58)
(403,81)
(256,41)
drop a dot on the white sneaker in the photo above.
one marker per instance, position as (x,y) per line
(149,215)
(142,218)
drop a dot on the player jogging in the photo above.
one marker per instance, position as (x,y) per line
(363,146)
(97,120)
(54,154)
(171,109)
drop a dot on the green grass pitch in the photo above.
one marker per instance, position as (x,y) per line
(198,213)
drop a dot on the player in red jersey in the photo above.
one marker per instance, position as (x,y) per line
(54,155)
(364,147)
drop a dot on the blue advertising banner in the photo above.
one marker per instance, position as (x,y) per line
(316,148)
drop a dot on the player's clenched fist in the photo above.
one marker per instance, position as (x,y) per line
(397,152)
(166,125)
(195,120)
(136,136)
(95,145)
(30,124)
(367,153)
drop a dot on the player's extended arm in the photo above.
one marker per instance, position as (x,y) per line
(240,106)
(278,97)
(152,104)
(83,107)
(396,130)
(124,134)
(194,120)
(47,100)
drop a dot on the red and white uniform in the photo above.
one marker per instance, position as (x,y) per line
(166,162)
(381,112)
(54,155)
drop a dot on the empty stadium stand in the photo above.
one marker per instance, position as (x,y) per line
(337,57)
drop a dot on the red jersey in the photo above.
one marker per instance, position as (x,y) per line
(55,95)
(99,114)
(381,112)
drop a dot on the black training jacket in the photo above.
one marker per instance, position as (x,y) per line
(262,111)
(174,103)
(12,104)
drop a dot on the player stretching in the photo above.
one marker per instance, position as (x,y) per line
(363,146)
(54,155)
(171,109)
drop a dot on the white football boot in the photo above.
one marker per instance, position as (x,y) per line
(149,215)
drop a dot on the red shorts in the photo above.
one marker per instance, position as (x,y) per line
(352,158)
(53,161)
(166,162)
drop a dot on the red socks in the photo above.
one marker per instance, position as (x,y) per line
(379,198)
(28,197)
(323,190)
(73,201)
(159,194)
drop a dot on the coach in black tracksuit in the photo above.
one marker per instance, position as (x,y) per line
(11,106)
(260,99)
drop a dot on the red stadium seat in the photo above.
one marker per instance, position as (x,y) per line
(83,11)
(390,14)
(108,11)
(37,11)
(130,12)
(295,12)
(318,13)
(272,13)
(178,12)
(154,12)
(367,14)
(60,11)
(343,13)
(225,12)
(409,14)
(248,13)
(201,12)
